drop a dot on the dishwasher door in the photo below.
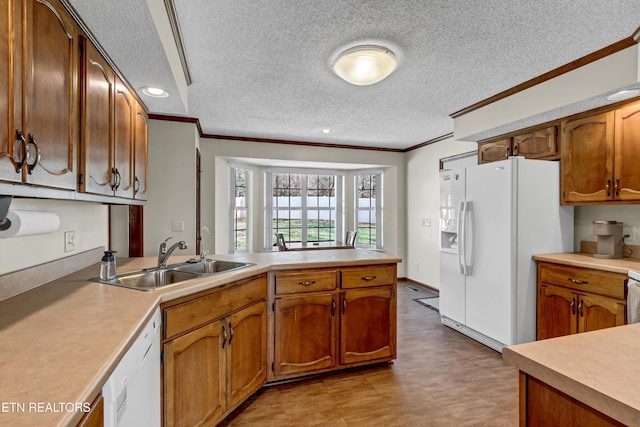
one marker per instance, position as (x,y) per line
(132,392)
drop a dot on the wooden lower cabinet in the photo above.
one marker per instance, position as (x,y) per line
(211,365)
(322,330)
(195,377)
(305,334)
(542,405)
(367,322)
(569,309)
(95,417)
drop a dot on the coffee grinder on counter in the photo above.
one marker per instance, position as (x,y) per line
(609,235)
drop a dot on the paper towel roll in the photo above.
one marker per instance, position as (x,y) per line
(29,223)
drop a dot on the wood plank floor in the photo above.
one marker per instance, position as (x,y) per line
(440,378)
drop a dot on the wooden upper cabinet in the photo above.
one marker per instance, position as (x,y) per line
(627,153)
(49,108)
(492,151)
(141,154)
(538,144)
(587,159)
(125,109)
(97,122)
(10,96)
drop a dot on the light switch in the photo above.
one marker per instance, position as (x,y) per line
(178,226)
(426,222)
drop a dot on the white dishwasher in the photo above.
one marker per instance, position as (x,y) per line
(132,392)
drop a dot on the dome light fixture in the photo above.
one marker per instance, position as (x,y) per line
(623,94)
(365,65)
(155,92)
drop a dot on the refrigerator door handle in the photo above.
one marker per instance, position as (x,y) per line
(461,237)
(468,214)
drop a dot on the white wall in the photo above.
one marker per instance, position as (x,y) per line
(423,202)
(172,191)
(88,220)
(215,186)
(585,215)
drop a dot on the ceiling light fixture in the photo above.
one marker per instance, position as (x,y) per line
(365,65)
(325,131)
(155,92)
(623,94)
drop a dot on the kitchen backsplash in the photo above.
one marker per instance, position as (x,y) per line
(585,215)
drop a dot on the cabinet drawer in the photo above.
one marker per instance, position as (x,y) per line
(584,279)
(190,314)
(293,282)
(367,276)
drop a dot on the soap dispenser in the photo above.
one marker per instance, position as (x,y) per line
(108,266)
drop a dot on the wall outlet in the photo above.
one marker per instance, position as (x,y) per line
(629,231)
(177,226)
(70,241)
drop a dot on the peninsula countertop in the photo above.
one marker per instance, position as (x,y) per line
(62,340)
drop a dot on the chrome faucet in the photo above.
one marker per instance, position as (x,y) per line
(204,252)
(164,253)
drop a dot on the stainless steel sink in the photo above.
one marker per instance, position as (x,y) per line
(155,278)
(208,266)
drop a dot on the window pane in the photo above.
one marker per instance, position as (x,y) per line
(366,207)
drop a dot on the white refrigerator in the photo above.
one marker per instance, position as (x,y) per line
(493,218)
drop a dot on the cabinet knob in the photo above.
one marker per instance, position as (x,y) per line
(607,187)
(577,282)
(307,283)
(368,278)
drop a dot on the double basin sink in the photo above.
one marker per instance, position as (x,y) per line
(161,277)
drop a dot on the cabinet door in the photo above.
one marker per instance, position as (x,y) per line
(194,376)
(247,353)
(539,144)
(557,308)
(140,154)
(123,139)
(587,159)
(10,98)
(305,333)
(367,325)
(97,122)
(597,312)
(627,149)
(494,150)
(50,112)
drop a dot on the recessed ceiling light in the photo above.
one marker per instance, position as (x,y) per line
(623,94)
(326,131)
(365,65)
(155,92)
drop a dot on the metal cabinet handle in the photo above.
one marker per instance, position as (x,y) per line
(577,282)
(344,306)
(506,153)
(580,308)
(136,186)
(230,333)
(23,150)
(224,336)
(616,187)
(368,278)
(307,283)
(573,306)
(515,149)
(607,187)
(118,179)
(32,166)
(333,307)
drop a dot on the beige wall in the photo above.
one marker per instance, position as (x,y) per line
(215,186)
(88,220)
(423,202)
(172,193)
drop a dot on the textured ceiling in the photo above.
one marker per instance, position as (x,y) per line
(261,68)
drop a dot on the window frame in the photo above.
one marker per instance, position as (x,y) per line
(339,177)
(378,208)
(233,167)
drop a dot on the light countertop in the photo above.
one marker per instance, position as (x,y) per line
(62,340)
(598,368)
(621,265)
